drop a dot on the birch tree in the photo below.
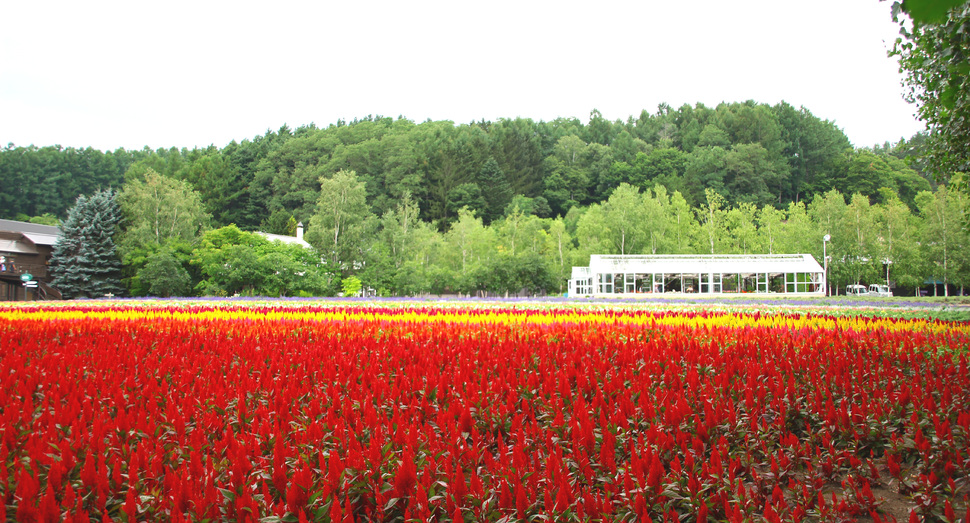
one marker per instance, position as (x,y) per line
(342,215)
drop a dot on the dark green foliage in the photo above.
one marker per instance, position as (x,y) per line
(254,183)
(495,189)
(467,195)
(814,150)
(663,165)
(517,147)
(165,276)
(234,262)
(537,206)
(279,223)
(85,263)
(35,181)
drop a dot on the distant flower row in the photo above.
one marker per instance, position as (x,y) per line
(497,313)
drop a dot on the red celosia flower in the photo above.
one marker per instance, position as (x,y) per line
(406,476)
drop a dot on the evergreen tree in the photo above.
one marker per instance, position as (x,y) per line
(84,262)
(495,189)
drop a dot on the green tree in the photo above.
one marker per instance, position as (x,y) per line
(452,156)
(690,123)
(861,251)
(399,226)
(517,147)
(706,169)
(234,262)
(219,183)
(593,235)
(561,254)
(165,276)
(533,273)
(681,226)
(288,175)
(157,208)
(800,234)
(278,222)
(653,204)
(467,195)
(907,182)
(511,232)
(470,247)
(713,136)
(47,180)
(932,56)
(495,189)
(712,219)
(814,150)
(84,262)
(898,245)
(867,173)
(246,200)
(625,147)
(623,218)
(742,232)
(663,166)
(827,212)
(523,260)
(401,262)
(228,260)
(351,286)
(567,177)
(340,224)
(945,241)
(163,219)
(770,223)
(292,270)
(751,175)
(404,170)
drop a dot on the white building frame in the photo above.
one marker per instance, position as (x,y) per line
(727,274)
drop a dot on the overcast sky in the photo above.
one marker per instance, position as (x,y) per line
(190,74)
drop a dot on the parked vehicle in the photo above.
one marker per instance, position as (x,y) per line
(882,291)
(856,290)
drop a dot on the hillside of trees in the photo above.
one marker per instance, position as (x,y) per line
(505,206)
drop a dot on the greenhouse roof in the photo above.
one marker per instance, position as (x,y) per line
(701,263)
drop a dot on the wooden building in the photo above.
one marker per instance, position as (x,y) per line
(25,248)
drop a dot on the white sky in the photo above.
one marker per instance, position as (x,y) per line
(194,73)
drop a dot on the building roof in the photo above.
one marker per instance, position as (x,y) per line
(704,263)
(13,243)
(285,239)
(39,234)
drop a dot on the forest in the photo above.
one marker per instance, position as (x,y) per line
(504,207)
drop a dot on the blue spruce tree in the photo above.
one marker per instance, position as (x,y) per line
(85,262)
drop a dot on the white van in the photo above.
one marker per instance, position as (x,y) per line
(882,291)
(856,290)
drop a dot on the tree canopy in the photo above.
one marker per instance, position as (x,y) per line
(501,207)
(933,55)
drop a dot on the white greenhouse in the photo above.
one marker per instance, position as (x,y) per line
(632,275)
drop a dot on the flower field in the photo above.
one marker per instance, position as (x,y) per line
(202,412)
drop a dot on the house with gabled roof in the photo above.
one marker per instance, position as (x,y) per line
(25,253)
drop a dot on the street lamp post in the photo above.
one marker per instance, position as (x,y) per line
(825,260)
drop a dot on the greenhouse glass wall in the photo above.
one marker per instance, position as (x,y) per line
(631,275)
